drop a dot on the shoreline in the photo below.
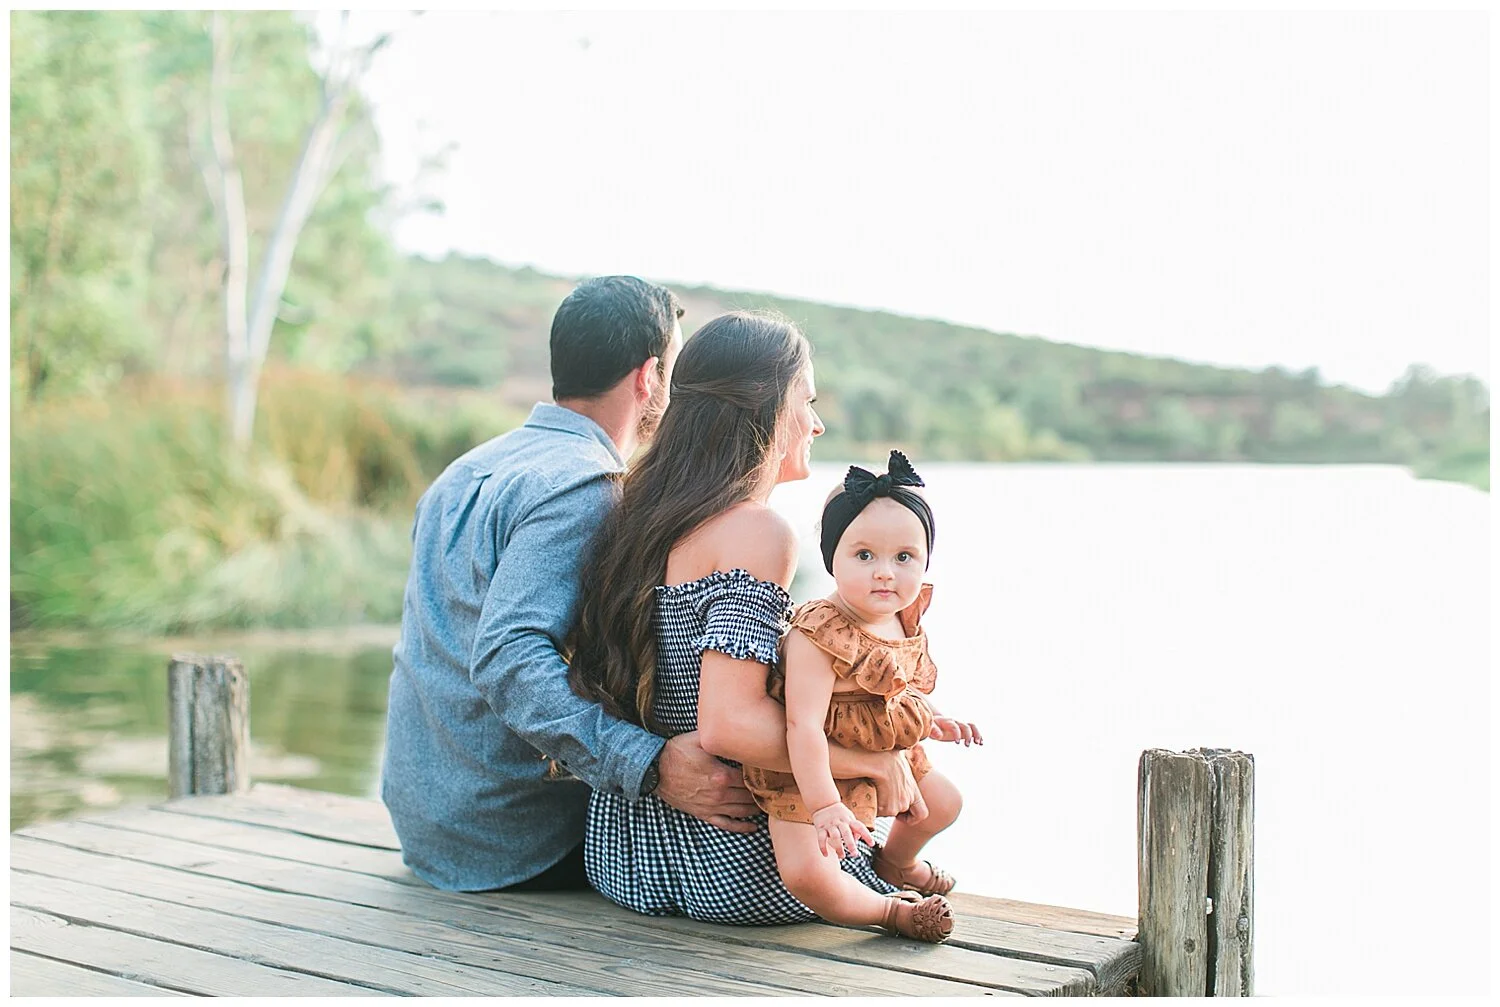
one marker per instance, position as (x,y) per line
(325,639)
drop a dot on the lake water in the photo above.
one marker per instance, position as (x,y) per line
(1332,621)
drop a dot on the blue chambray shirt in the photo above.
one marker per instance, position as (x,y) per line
(479,696)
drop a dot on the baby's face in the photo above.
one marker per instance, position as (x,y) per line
(879,563)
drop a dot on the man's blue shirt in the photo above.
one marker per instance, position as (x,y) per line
(479,696)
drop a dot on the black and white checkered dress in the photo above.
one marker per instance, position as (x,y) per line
(650,857)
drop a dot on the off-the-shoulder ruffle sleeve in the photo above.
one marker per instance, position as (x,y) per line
(822,623)
(743,617)
(883,668)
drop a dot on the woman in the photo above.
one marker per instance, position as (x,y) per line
(685,605)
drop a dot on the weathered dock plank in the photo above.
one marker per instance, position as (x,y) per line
(624,959)
(306,812)
(284,946)
(862,947)
(364,822)
(1096,942)
(34,976)
(309,888)
(1078,921)
(1111,961)
(461,949)
(161,963)
(1019,958)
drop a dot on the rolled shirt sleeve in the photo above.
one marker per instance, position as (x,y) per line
(517,664)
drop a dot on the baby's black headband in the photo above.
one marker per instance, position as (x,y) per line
(860,487)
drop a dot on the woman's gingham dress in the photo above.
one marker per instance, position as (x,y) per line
(650,857)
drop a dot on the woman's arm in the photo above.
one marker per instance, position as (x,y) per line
(737,720)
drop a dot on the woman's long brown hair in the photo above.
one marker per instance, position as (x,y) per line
(714,445)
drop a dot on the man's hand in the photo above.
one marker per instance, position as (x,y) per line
(697,783)
(948,729)
(896,791)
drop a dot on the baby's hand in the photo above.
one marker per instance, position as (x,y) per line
(838,826)
(948,729)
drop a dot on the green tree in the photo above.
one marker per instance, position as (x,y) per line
(1050,397)
(117,261)
(83,165)
(253,292)
(1182,433)
(1295,425)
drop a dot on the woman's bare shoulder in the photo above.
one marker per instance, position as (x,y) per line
(748,536)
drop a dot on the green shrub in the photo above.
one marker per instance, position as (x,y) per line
(1470,466)
(132,512)
(370,444)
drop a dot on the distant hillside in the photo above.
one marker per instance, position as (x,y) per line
(954,392)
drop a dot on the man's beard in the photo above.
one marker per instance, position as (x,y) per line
(651,415)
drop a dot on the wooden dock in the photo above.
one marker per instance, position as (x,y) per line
(284,892)
(229,889)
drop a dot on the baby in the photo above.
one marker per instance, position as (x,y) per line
(855,669)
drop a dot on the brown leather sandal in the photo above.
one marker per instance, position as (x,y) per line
(937,882)
(929,919)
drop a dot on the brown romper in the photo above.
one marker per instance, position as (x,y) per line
(887,711)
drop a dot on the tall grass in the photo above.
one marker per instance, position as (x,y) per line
(132,512)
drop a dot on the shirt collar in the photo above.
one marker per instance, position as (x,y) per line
(547,416)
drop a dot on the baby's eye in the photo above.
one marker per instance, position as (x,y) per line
(864,555)
(903,555)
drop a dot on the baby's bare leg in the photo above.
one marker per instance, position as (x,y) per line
(818,882)
(906,840)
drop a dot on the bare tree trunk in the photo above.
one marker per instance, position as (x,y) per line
(314,168)
(249,321)
(227,188)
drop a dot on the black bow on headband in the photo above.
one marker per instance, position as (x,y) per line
(862,486)
(865,485)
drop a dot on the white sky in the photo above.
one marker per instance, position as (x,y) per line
(1248,189)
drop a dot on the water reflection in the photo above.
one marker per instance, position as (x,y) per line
(88,724)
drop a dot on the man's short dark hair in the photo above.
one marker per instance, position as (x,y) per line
(606,328)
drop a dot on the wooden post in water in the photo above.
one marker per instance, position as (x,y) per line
(1231,874)
(1196,814)
(1172,815)
(208,738)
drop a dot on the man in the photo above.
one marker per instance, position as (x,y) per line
(479,699)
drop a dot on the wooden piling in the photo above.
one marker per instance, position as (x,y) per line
(1231,874)
(208,707)
(1196,856)
(1172,814)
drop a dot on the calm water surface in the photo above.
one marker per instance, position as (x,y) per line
(1331,621)
(88,723)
